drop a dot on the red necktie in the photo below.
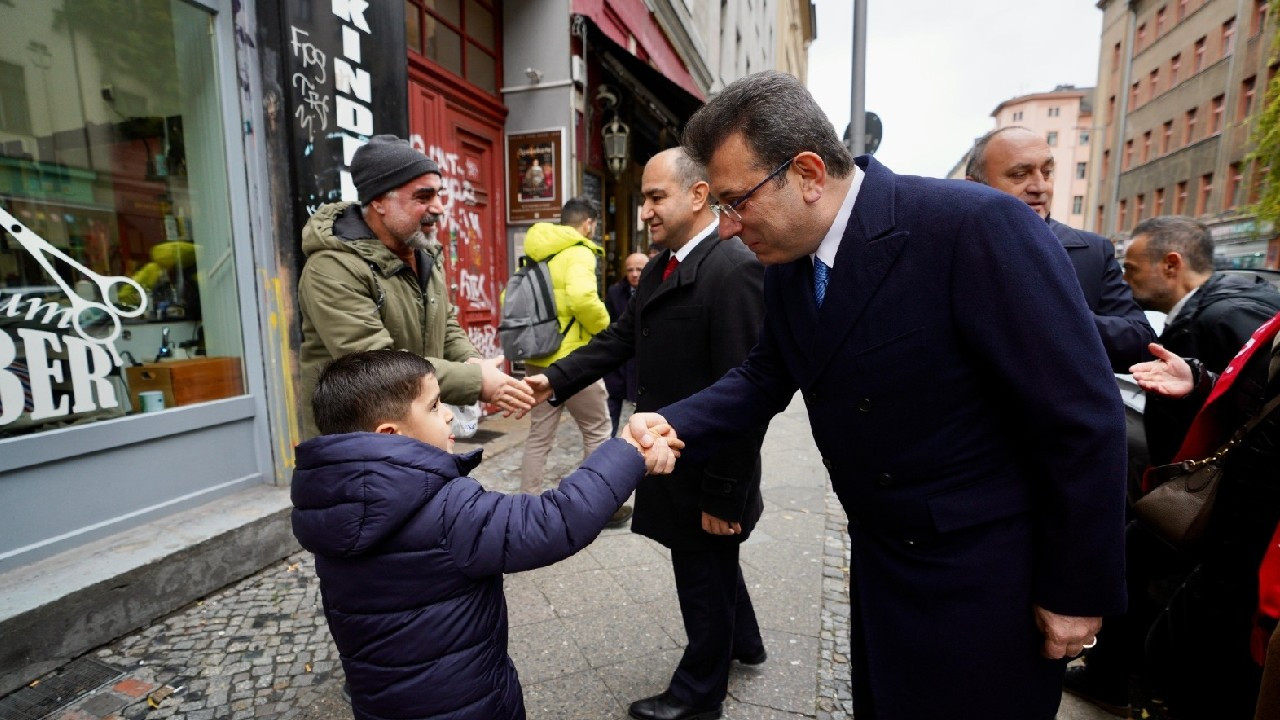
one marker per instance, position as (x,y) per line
(671,267)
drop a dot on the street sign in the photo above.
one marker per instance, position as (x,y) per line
(875,130)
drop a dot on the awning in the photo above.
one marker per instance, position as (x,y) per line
(623,21)
(667,99)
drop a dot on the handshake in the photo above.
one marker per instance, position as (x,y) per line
(656,440)
(648,433)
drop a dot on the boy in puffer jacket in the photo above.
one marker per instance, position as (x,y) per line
(410,552)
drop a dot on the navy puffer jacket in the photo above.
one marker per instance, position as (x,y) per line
(411,554)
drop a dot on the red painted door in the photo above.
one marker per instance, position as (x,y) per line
(466,147)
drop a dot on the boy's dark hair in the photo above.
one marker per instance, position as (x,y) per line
(578,210)
(356,392)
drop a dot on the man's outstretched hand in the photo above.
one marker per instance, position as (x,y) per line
(1167,375)
(497,387)
(647,427)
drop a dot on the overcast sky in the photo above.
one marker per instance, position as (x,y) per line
(937,68)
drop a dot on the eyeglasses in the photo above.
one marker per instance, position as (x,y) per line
(730,210)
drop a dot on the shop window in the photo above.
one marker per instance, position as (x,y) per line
(117,276)
(461,37)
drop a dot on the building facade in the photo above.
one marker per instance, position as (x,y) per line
(1179,85)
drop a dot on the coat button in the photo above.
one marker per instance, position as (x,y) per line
(640,390)
(909,542)
(645,332)
(885,480)
(865,405)
(728,487)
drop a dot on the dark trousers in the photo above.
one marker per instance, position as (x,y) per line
(718,619)
(615,412)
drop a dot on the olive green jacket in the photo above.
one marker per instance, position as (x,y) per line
(355,295)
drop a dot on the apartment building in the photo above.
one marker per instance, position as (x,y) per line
(1180,83)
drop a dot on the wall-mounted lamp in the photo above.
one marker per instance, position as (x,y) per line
(534,75)
(617,136)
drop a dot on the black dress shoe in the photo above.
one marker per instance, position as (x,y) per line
(757,658)
(667,707)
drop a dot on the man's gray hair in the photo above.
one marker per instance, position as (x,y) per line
(977,165)
(778,119)
(1180,234)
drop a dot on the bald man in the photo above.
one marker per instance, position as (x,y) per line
(695,315)
(1019,162)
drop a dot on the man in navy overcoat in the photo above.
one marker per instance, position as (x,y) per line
(957,390)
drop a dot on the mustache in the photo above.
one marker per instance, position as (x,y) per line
(430,220)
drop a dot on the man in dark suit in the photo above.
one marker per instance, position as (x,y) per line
(958,392)
(621,382)
(695,315)
(1020,162)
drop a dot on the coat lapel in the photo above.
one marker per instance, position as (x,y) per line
(868,250)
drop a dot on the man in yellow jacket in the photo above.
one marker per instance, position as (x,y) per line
(582,314)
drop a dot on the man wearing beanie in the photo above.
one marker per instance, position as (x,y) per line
(374,279)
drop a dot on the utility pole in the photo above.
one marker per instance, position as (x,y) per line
(857,111)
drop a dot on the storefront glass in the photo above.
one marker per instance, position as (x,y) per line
(117,278)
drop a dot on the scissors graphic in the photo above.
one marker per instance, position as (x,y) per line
(41,250)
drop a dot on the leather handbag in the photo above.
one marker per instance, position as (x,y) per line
(1178,508)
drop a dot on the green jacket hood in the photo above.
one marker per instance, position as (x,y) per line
(546,239)
(352,236)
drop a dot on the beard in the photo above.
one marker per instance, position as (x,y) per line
(425,237)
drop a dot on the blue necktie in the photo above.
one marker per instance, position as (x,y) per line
(820,273)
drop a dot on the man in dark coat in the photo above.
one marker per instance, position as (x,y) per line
(1020,162)
(958,392)
(1169,264)
(621,383)
(695,315)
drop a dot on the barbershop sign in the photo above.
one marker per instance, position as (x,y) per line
(36,332)
(346,79)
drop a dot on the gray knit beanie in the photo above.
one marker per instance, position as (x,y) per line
(385,163)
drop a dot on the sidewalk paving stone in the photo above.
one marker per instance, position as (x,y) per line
(589,635)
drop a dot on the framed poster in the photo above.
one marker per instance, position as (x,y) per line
(534,182)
